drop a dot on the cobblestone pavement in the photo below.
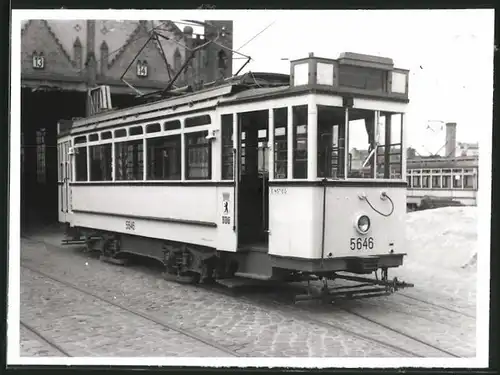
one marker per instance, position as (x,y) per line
(448,330)
(33,346)
(85,326)
(244,327)
(452,331)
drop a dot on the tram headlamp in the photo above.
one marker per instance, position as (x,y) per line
(363,224)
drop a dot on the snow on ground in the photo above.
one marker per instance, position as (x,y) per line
(442,247)
(443,237)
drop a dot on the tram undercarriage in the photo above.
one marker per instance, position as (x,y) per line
(192,264)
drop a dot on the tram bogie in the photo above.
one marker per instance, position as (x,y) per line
(265,177)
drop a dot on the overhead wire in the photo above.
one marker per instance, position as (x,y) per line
(256,35)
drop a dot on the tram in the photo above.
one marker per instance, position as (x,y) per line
(262,176)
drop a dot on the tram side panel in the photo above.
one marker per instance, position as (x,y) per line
(291,221)
(190,214)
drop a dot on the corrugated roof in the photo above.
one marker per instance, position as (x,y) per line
(250,93)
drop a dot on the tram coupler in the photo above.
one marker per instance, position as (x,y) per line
(393,284)
(365,288)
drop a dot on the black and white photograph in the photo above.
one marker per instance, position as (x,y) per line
(250,188)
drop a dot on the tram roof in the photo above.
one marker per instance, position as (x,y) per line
(248,87)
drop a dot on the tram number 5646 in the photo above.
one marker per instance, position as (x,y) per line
(361,243)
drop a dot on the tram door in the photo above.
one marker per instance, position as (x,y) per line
(64,173)
(253,187)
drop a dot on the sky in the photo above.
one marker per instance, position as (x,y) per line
(449,54)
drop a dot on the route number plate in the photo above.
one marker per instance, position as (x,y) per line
(129,225)
(365,243)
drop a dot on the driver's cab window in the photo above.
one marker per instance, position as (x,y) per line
(361,143)
(262,152)
(331,134)
(389,145)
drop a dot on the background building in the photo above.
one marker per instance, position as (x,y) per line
(61,59)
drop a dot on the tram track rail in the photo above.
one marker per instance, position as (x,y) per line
(182,331)
(436,305)
(294,311)
(302,313)
(44,339)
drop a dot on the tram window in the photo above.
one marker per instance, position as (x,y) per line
(363,78)
(436,182)
(172,125)
(164,158)
(457,181)
(106,135)
(136,130)
(93,137)
(100,162)
(389,158)
(227,146)
(81,163)
(300,141)
(262,151)
(280,143)
(120,133)
(198,156)
(129,160)
(153,128)
(197,121)
(361,140)
(79,140)
(331,134)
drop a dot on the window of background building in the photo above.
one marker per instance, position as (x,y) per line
(416,182)
(129,160)
(436,182)
(198,156)
(469,181)
(446,182)
(164,158)
(425,182)
(457,181)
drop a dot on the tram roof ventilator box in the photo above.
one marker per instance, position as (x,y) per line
(353,72)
